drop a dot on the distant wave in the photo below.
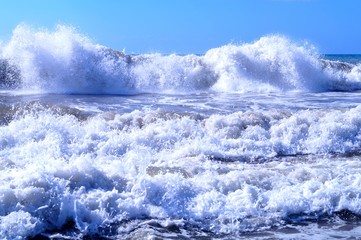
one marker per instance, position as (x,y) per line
(64,61)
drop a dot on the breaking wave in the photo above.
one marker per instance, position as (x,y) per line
(64,61)
(111,174)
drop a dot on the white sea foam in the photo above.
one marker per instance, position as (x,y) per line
(64,61)
(271,64)
(113,167)
(215,163)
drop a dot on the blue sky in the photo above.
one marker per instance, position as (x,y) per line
(193,26)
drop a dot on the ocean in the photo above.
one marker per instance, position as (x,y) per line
(257,140)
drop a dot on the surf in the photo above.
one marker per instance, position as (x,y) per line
(65,61)
(110,174)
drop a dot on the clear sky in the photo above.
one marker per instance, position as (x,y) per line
(193,26)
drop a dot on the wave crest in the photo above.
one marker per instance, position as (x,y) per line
(64,61)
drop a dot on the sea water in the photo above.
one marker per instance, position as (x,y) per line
(257,140)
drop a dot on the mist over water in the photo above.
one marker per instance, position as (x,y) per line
(257,140)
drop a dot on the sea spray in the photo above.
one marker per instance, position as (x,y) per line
(249,140)
(222,174)
(64,61)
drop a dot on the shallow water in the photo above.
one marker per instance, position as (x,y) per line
(203,165)
(259,140)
